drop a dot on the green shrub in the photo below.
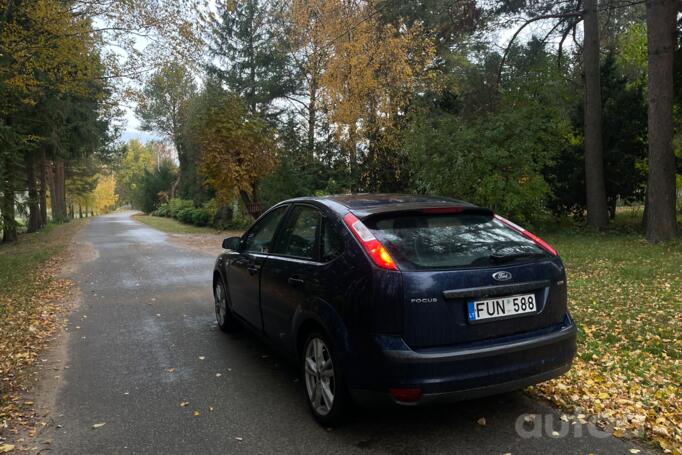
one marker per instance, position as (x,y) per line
(201,217)
(211,206)
(176,205)
(185,215)
(163,210)
(150,186)
(495,161)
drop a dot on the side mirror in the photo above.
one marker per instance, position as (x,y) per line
(232,243)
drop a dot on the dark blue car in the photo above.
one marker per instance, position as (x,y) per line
(409,299)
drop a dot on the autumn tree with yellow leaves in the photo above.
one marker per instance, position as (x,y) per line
(335,63)
(362,72)
(369,82)
(105,196)
(308,30)
(99,200)
(237,146)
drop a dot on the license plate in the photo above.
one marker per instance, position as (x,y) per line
(501,307)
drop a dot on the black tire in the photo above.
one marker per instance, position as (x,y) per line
(341,404)
(227,322)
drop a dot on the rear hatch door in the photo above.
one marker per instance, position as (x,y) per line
(450,260)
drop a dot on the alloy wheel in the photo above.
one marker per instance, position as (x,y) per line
(220,305)
(319,376)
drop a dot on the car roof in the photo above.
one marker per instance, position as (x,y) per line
(366,204)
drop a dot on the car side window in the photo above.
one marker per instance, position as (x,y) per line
(331,241)
(259,238)
(299,235)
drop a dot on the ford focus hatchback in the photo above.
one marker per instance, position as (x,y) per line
(397,298)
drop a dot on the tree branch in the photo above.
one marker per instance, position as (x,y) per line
(525,24)
(561,43)
(575,41)
(552,30)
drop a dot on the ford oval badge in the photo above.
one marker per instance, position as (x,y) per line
(502,276)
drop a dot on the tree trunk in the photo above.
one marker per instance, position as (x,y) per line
(312,116)
(34,222)
(250,203)
(9,225)
(612,208)
(51,182)
(62,185)
(597,210)
(59,196)
(661,222)
(174,186)
(43,187)
(80,211)
(352,159)
(646,209)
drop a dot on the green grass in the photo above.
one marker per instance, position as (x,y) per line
(626,297)
(19,261)
(172,226)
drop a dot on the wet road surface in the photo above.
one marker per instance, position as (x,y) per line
(144,341)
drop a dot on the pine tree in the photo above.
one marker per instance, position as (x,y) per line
(246,58)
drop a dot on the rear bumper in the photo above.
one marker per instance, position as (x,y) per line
(451,374)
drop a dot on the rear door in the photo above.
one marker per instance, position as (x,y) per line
(449,260)
(289,274)
(244,269)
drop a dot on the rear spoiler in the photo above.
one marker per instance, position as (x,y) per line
(421,208)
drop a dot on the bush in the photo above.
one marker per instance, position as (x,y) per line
(185,215)
(201,217)
(495,162)
(163,210)
(176,205)
(211,206)
(184,211)
(150,187)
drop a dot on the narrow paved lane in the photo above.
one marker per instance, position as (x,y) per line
(144,340)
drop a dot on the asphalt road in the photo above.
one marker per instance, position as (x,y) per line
(144,340)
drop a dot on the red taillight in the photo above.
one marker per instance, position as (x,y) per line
(538,241)
(405,395)
(372,246)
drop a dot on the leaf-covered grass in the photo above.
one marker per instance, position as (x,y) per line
(29,294)
(626,296)
(172,226)
(20,261)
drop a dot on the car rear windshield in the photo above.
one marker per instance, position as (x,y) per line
(439,241)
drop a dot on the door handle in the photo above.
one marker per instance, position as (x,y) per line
(253,269)
(295,281)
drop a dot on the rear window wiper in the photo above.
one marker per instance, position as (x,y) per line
(502,257)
